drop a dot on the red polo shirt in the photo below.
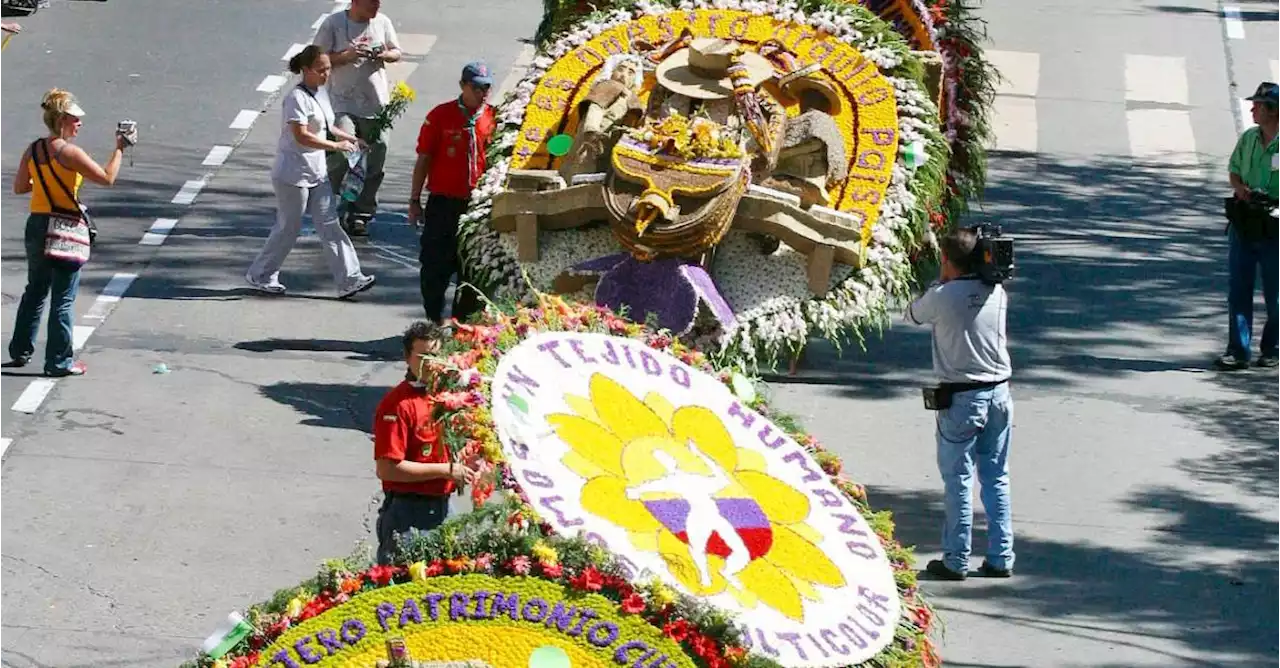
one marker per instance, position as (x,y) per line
(444,137)
(404,430)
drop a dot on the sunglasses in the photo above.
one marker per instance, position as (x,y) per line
(484,88)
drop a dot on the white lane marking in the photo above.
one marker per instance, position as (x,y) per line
(159,231)
(1275,70)
(1014,123)
(1245,112)
(189,191)
(4,445)
(1235,23)
(396,260)
(293,50)
(244,120)
(1020,72)
(416,44)
(1162,135)
(80,335)
(318,22)
(272,83)
(33,395)
(1155,79)
(217,155)
(518,70)
(117,286)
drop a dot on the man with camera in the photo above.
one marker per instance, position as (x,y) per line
(1251,232)
(360,42)
(967,309)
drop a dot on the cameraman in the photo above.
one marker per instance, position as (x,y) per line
(1251,234)
(975,410)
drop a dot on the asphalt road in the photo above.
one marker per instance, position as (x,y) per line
(139,508)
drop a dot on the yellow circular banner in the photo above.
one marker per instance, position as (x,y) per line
(498,620)
(868,117)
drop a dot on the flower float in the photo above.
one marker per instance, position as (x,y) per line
(644,565)
(840,78)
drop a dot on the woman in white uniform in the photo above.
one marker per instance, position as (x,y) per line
(301,183)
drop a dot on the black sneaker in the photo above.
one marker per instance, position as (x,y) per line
(989,571)
(939,570)
(357,227)
(1229,362)
(1268,361)
(17,362)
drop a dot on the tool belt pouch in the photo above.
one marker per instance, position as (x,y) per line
(937,398)
(1252,221)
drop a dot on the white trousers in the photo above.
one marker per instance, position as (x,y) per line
(318,200)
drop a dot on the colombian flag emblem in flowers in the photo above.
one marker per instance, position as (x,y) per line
(666,467)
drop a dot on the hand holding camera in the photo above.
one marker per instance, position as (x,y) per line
(126,133)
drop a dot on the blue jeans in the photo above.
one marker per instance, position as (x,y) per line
(1244,258)
(53,279)
(976,430)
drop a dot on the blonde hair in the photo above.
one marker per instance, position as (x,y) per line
(56,103)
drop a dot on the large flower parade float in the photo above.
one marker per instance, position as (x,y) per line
(679,195)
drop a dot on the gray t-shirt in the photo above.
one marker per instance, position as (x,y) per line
(298,165)
(358,88)
(969,340)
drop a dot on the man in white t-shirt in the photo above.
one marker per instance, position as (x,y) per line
(975,409)
(360,42)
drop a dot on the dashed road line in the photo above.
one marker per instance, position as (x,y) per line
(272,83)
(159,231)
(293,50)
(1235,22)
(318,22)
(80,335)
(34,394)
(4,445)
(518,70)
(1162,135)
(1155,79)
(217,155)
(244,120)
(189,191)
(1244,110)
(110,295)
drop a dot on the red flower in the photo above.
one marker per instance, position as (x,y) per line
(551,570)
(703,646)
(633,604)
(677,630)
(280,626)
(435,568)
(923,618)
(589,579)
(315,607)
(382,574)
(245,661)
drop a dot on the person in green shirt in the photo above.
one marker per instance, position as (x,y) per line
(1253,173)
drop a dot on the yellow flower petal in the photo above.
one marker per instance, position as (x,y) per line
(582,406)
(745,597)
(624,415)
(582,466)
(806,590)
(606,498)
(596,444)
(806,532)
(750,460)
(773,587)
(676,553)
(705,429)
(802,559)
(779,501)
(660,406)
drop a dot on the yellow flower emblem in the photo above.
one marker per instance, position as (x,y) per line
(674,479)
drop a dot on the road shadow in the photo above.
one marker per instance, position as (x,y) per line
(1250,15)
(378,350)
(333,405)
(1244,424)
(1116,596)
(1105,247)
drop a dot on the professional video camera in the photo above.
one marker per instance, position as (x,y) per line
(994,254)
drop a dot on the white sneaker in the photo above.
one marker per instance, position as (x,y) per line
(364,283)
(274,287)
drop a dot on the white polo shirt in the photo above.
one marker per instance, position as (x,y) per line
(970,343)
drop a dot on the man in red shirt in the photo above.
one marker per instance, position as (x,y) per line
(451,158)
(413,462)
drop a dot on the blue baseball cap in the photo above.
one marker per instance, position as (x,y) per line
(1267,92)
(478,73)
